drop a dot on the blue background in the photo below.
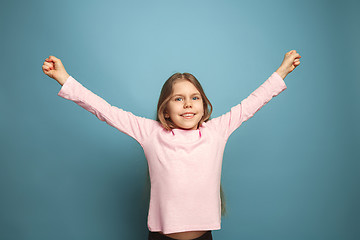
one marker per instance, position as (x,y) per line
(289,172)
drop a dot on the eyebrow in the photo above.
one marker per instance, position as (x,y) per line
(178,94)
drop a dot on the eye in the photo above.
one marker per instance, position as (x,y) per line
(176,99)
(196,98)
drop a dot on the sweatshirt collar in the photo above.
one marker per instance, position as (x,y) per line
(184,131)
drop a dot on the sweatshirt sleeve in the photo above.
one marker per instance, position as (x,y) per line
(227,123)
(136,127)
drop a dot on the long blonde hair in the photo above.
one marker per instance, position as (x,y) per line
(164,98)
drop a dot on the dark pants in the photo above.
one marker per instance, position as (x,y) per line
(159,236)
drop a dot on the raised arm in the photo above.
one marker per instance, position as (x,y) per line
(137,127)
(273,86)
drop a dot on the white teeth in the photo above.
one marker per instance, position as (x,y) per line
(188,115)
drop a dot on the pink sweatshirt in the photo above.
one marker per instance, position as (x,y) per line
(184,165)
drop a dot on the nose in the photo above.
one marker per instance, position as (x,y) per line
(187,104)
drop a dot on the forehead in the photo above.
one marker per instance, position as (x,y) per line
(182,86)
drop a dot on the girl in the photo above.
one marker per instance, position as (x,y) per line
(183,147)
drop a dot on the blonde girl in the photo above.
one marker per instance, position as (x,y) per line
(183,146)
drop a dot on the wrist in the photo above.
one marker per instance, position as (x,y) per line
(63,79)
(282,73)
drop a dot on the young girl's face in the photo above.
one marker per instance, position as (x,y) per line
(185,107)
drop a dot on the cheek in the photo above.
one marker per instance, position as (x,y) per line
(201,106)
(203,110)
(172,108)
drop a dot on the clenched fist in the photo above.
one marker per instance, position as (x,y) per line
(54,68)
(290,62)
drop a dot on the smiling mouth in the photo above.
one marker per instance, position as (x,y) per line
(188,115)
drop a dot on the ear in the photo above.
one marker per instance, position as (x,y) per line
(166,115)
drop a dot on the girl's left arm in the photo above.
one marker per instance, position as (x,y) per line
(273,86)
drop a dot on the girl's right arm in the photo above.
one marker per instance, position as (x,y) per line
(137,127)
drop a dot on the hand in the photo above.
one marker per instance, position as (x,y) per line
(54,68)
(290,62)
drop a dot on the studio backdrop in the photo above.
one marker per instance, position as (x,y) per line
(289,172)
